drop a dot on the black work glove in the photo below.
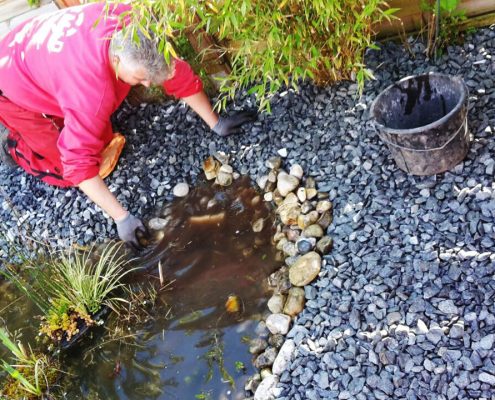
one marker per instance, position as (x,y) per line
(232,124)
(127,228)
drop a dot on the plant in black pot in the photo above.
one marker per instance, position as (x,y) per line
(74,289)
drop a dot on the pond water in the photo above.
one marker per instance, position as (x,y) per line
(187,345)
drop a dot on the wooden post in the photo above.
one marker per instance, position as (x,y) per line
(412,18)
(212,58)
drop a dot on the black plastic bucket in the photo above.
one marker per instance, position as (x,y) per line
(423,121)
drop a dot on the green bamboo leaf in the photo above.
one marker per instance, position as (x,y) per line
(449,5)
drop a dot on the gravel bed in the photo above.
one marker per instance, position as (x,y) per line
(403,307)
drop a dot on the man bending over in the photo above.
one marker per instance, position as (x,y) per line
(62,77)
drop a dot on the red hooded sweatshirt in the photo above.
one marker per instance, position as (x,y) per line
(58,64)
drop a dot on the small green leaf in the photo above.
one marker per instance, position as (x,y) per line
(449,5)
(391,11)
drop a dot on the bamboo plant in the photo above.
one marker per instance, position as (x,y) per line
(270,43)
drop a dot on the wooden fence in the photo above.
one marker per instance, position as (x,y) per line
(412,18)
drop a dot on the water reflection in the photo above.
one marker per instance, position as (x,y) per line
(209,261)
(192,346)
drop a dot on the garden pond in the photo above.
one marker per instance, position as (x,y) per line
(187,333)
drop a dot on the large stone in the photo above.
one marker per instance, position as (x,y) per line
(305,269)
(210,166)
(295,301)
(280,280)
(284,357)
(278,323)
(276,303)
(226,168)
(291,198)
(311,193)
(261,181)
(265,388)
(289,213)
(266,358)
(282,152)
(274,162)
(257,345)
(276,340)
(324,245)
(281,243)
(301,194)
(325,219)
(296,170)
(313,230)
(323,205)
(305,220)
(286,183)
(224,178)
(306,207)
(305,245)
(293,234)
(289,249)
(258,225)
(252,383)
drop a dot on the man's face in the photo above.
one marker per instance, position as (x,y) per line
(131,75)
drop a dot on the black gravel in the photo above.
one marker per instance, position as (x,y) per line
(403,307)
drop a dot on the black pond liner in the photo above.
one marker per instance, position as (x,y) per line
(423,121)
(101,315)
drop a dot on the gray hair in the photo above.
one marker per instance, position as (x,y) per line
(142,53)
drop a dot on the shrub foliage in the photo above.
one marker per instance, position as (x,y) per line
(271,43)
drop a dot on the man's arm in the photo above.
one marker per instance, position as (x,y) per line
(186,85)
(98,191)
(200,103)
(127,224)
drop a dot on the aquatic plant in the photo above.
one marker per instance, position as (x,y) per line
(215,357)
(80,281)
(70,287)
(30,374)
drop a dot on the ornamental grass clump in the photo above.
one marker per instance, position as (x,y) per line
(71,287)
(30,374)
(271,43)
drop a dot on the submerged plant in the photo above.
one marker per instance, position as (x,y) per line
(71,287)
(30,374)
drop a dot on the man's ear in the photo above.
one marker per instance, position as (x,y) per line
(116,63)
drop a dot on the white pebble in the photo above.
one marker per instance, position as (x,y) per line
(282,152)
(181,189)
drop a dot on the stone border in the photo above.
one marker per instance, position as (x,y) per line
(303,216)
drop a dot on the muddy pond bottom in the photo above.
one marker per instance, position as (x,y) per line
(193,343)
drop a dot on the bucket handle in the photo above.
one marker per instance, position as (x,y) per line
(464,124)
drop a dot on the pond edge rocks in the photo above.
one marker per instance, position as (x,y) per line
(303,216)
